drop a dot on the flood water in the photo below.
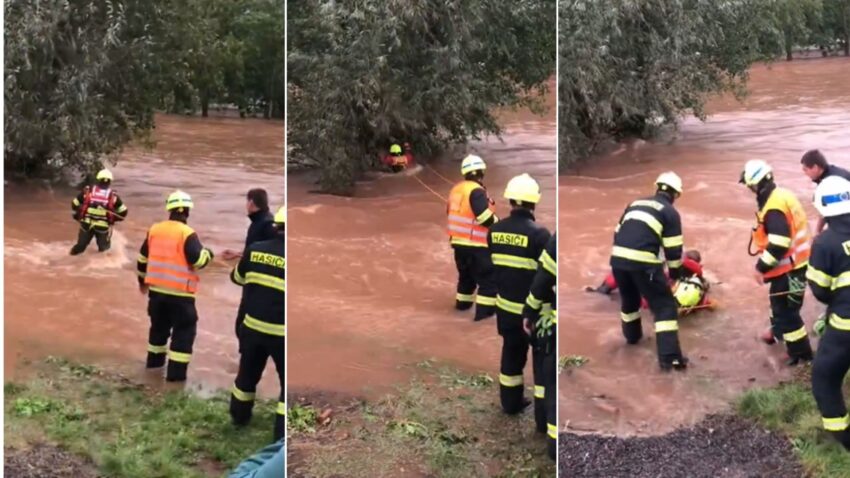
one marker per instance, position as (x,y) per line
(792,107)
(372,278)
(88,307)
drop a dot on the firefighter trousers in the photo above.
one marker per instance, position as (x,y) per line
(652,285)
(786,299)
(538,355)
(256,348)
(549,373)
(831,364)
(86,233)
(475,270)
(514,358)
(175,318)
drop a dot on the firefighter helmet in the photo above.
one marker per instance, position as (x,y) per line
(178,200)
(523,188)
(472,163)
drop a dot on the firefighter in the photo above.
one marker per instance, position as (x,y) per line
(97,208)
(647,226)
(168,266)
(541,320)
(783,244)
(515,245)
(470,214)
(262,274)
(828,275)
(397,160)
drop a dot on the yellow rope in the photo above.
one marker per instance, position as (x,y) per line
(435,193)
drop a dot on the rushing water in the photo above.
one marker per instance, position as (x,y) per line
(88,307)
(792,107)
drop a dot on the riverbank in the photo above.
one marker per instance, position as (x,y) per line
(76,420)
(772,432)
(443,422)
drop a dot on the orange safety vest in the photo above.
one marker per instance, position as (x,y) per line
(168,267)
(801,241)
(463,228)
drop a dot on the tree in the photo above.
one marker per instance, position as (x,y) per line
(364,74)
(78,86)
(629,66)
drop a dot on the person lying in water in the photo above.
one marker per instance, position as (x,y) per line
(690,291)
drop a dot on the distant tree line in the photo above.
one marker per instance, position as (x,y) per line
(84,78)
(628,67)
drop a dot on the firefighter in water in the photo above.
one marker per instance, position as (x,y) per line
(97,208)
(262,274)
(541,321)
(168,266)
(783,244)
(647,226)
(397,160)
(829,277)
(515,245)
(470,215)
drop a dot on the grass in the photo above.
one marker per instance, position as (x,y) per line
(442,423)
(790,409)
(128,430)
(571,361)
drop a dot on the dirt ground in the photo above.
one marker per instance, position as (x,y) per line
(720,446)
(44,460)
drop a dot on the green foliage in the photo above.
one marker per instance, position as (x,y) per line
(627,67)
(301,419)
(365,74)
(129,431)
(84,78)
(571,361)
(790,408)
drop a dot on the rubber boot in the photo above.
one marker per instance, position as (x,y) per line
(176,371)
(77,249)
(680,363)
(241,411)
(540,415)
(155,360)
(463,305)
(632,331)
(513,401)
(484,312)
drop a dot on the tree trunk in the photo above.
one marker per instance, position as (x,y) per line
(205,104)
(789,48)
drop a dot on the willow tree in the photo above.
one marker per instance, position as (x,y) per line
(629,66)
(363,74)
(78,83)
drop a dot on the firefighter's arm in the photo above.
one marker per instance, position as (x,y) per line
(672,242)
(778,240)
(237,275)
(120,209)
(197,255)
(77,202)
(544,281)
(142,262)
(480,204)
(819,273)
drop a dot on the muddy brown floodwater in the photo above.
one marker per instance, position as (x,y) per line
(372,277)
(792,107)
(88,307)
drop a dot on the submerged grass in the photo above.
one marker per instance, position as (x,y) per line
(442,423)
(127,430)
(790,408)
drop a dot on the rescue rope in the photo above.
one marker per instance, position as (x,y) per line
(606,180)
(447,180)
(435,193)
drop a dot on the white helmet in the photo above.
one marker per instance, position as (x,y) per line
(671,180)
(472,163)
(523,188)
(832,197)
(754,171)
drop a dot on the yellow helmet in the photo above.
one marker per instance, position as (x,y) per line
(280,216)
(472,163)
(671,180)
(688,292)
(104,175)
(178,200)
(395,149)
(523,188)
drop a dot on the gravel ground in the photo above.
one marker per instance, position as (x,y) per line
(724,446)
(43,461)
